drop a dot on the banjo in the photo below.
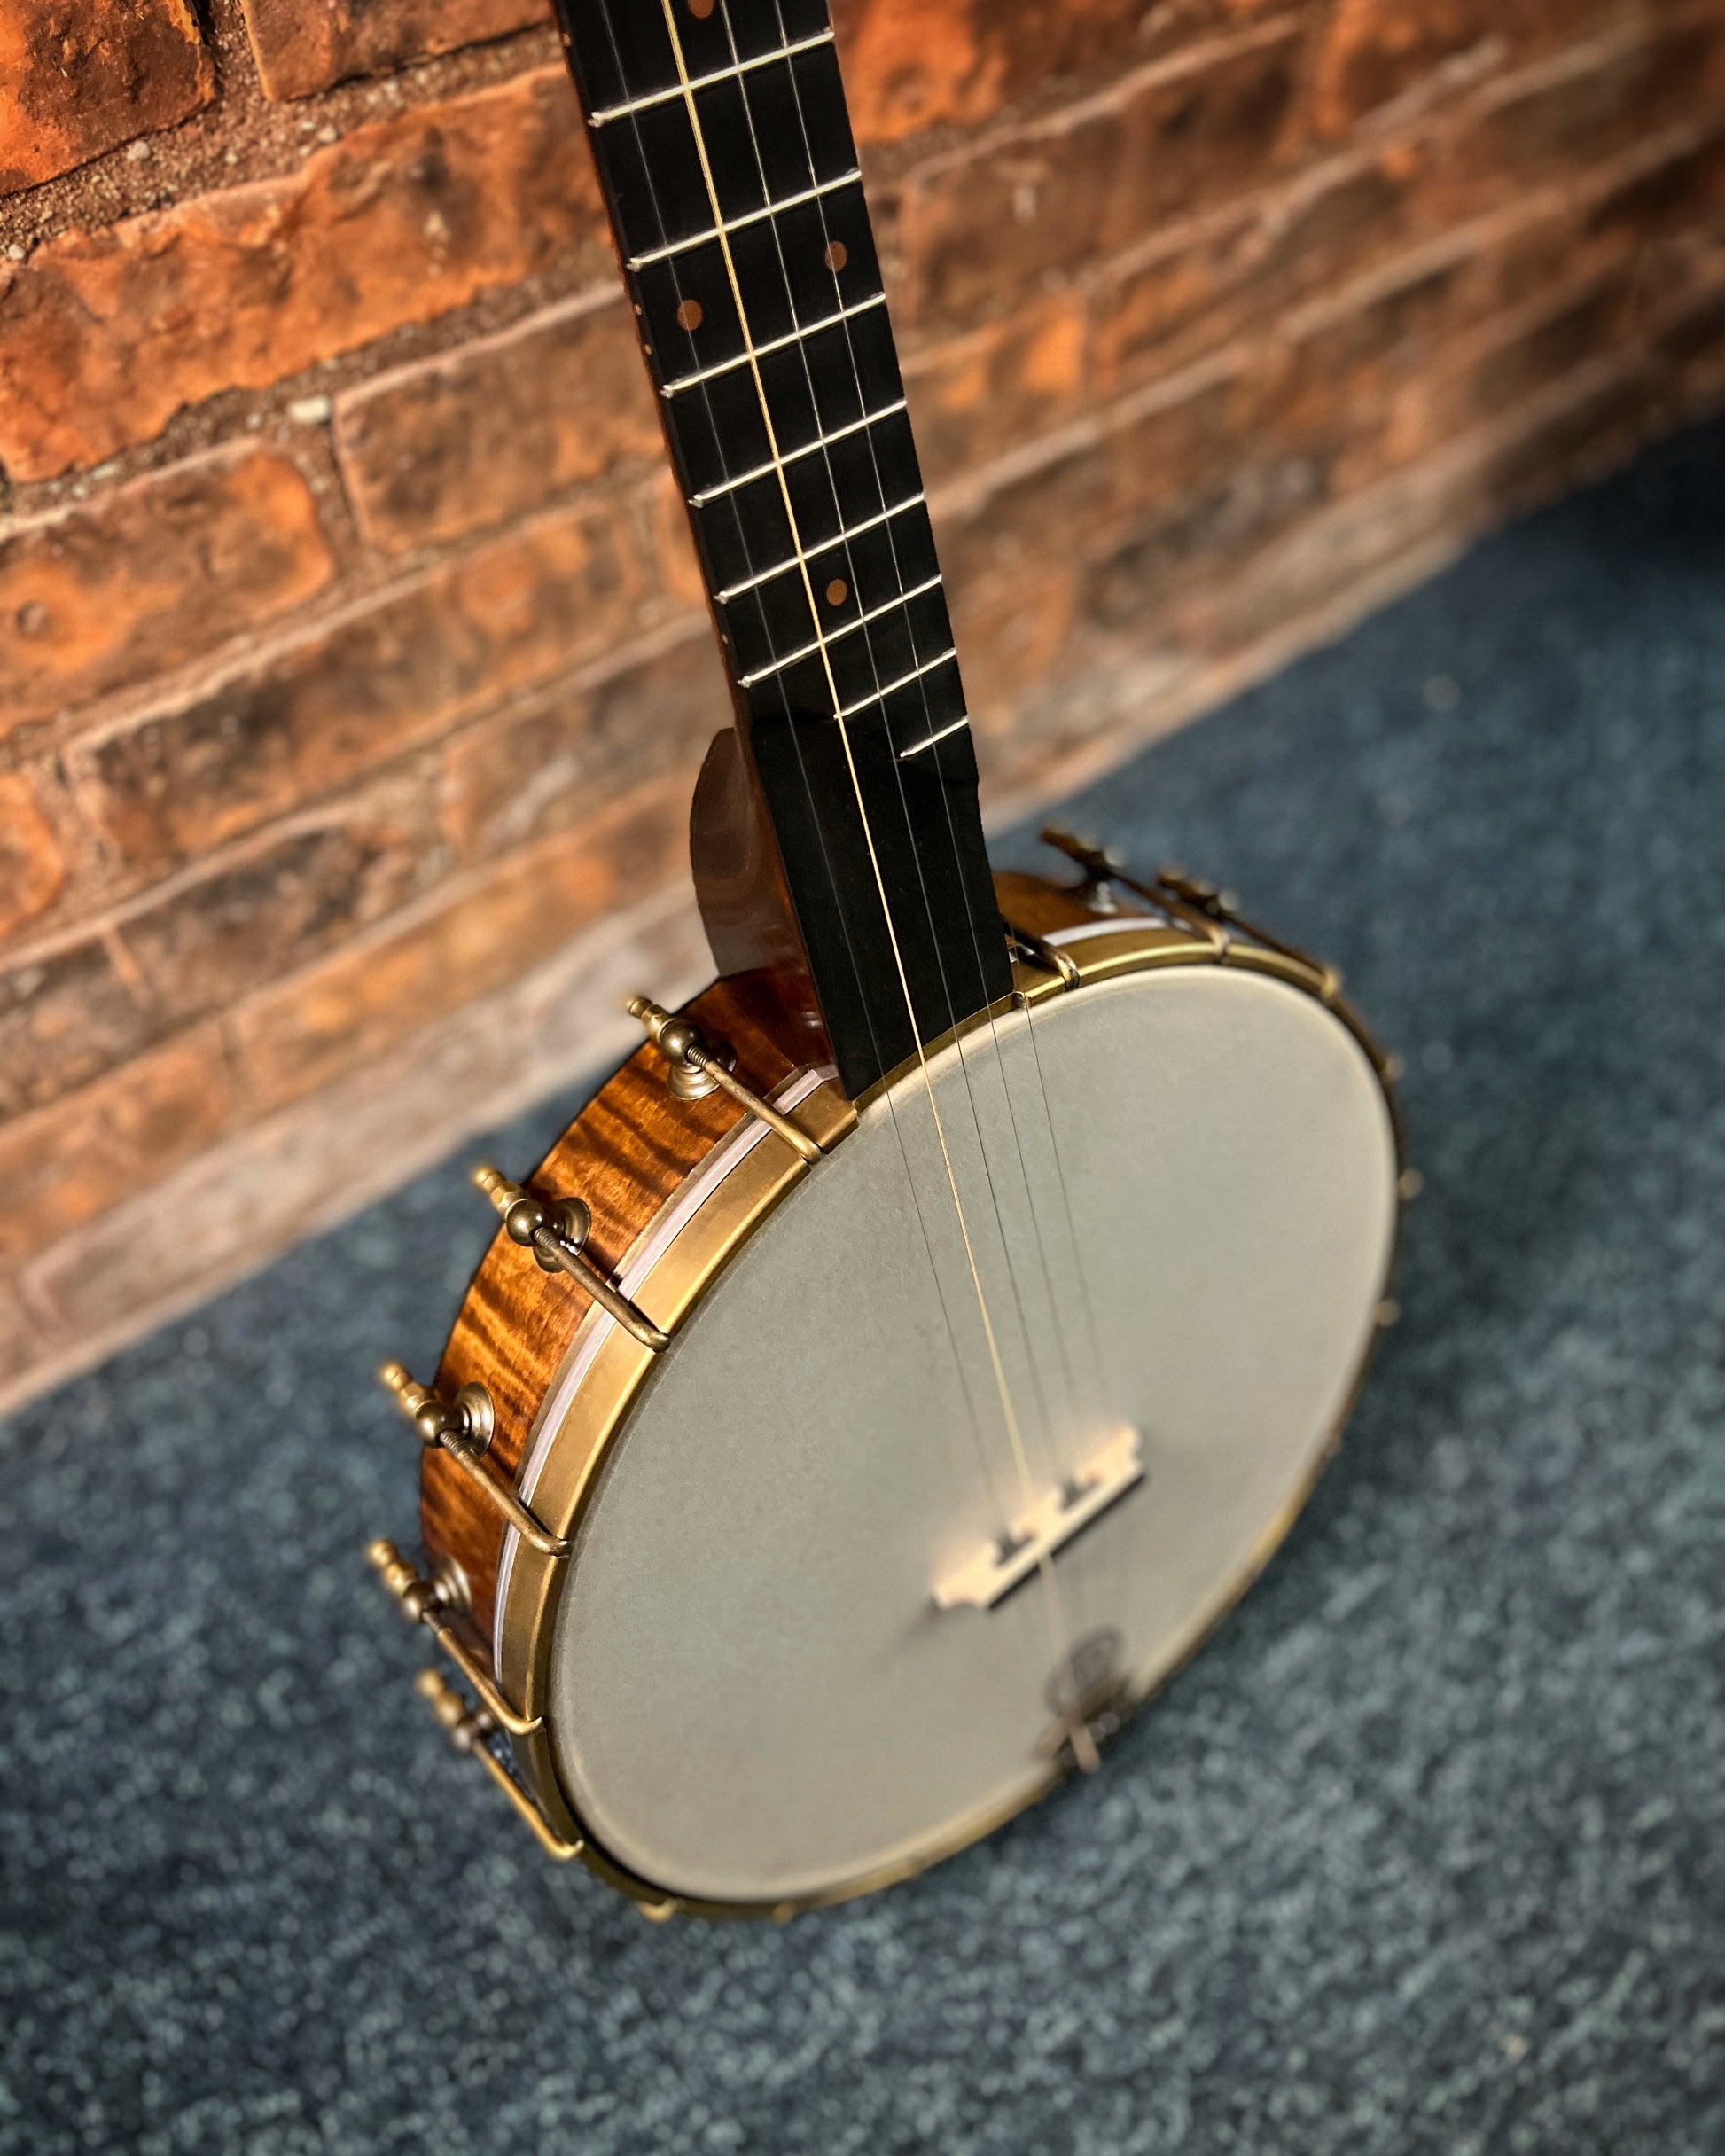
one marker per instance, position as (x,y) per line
(909,1355)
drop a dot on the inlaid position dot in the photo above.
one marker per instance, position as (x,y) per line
(690,315)
(700,9)
(836,592)
(835,256)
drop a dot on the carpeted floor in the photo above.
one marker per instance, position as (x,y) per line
(1426,1852)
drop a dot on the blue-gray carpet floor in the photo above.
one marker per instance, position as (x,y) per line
(1425,1852)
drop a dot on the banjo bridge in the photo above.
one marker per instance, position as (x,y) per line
(1058,1518)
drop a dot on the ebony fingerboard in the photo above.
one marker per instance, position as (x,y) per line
(723,145)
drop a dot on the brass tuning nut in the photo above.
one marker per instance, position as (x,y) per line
(466,1726)
(415,1597)
(527,1221)
(468,1423)
(693,1062)
(698,1066)
(557,1235)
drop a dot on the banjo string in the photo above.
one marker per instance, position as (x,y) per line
(972,1414)
(1056,1437)
(1009,1413)
(1059,1437)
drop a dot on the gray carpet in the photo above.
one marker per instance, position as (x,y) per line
(1424,1851)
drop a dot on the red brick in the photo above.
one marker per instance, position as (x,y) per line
(132,582)
(1508,362)
(1342,361)
(1673,183)
(64,1017)
(515,778)
(498,428)
(32,867)
(909,66)
(1376,51)
(1010,635)
(76,79)
(1008,381)
(244,923)
(357,1005)
(1192,288)
(64,1164)
(1571,112)
(362,688)
(981,229)
(1151,454)
(104,336)
(305,45)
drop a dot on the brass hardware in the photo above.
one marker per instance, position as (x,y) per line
(1222,906)
(1408,1184)
(1102,868)
(467,1728)
(1060,1514)
(1043,953)
(422,1602)
(1388,1313)
(693,1059)
(464,1430)
(556,1234)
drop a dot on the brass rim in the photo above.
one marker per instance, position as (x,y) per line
(719,1226)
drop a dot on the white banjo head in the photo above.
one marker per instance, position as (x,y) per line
(755,1696)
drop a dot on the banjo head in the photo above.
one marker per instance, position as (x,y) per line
(771,1673)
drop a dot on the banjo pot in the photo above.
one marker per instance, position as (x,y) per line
(765,1647)
(917,1345)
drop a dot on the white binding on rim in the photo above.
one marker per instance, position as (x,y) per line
(728,1154)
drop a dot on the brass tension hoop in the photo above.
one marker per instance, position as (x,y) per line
(556,1234)
(422,1601)
(698,1066)
(467,1728)
(464,1432)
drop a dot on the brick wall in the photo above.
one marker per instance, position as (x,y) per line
(352,673)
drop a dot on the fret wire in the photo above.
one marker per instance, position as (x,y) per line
(821,441)
(752,216)
(836,636)
(946,732)
(753,352)
(704,81)
(903,682)
(854,531)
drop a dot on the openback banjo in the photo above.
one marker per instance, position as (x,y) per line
(912,1351)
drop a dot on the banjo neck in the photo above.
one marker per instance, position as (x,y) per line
(837,839)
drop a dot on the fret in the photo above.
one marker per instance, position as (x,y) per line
(838,670)
(852,178)
(705,81)
(945,733)
(774,344)
(821,441)
(850,711)
(759,154)
(781,568)
(875,613)
(619,51)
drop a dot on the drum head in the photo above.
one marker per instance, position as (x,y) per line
(1179,1195)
